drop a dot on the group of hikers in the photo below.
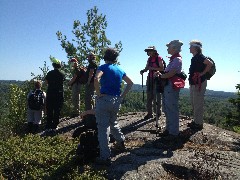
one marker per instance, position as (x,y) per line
(105,83)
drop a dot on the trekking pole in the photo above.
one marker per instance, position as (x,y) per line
(142,87)
(156,105)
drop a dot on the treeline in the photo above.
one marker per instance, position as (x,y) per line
(218,109)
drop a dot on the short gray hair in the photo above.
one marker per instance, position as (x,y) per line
(176,44)
(197,45)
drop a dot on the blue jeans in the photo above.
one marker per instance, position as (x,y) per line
(170,108)
(107,108)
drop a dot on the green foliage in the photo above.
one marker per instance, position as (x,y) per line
(42,76)
(215,108)
(17,107)
(233,116)
(132,103)
(33,157)
(89,36)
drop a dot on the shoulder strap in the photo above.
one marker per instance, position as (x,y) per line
(157,63)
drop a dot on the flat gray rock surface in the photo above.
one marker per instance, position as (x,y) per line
(212,153)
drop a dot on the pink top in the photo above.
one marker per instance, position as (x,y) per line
(152,63)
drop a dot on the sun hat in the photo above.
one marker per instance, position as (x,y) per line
(150,48)
(176,43)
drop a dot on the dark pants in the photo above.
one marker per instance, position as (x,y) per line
(53,106)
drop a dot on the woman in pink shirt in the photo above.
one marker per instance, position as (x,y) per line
(154,64)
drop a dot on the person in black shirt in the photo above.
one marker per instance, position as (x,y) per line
(89,87)
(55,96)
(200,65)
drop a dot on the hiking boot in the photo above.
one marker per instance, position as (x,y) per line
(148,116)
(104,162)
(119,146)
(47,132)
(172,138)
(195,126)
(164,133)
(35,128)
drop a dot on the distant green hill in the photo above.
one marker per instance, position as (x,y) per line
(4,84)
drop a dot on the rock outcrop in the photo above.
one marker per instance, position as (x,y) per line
(212,153)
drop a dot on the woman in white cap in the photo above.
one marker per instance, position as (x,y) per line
(200,65)
(170,94)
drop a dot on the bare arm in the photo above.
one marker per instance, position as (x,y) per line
(97,81)
(208,66)
(144,70)
(169,74)
(129,86)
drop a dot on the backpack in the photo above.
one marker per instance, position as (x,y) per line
(89,121)
(88,148)
(160,83)
(82,76)
(212,71)
(36,100)
(164,64)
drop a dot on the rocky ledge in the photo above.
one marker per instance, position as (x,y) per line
(212,153)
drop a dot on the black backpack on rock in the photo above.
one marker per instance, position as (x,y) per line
(88,148)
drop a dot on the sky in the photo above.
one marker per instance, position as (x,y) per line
(28,33)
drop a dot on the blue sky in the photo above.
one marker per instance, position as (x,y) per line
(28,33)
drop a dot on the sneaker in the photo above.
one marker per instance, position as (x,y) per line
(148,116)
(100,161)
(119,146)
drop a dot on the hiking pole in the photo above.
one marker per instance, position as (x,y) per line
(158,129)
(142,87)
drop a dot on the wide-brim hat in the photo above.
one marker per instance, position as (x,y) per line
(175,43)
(150,48)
